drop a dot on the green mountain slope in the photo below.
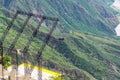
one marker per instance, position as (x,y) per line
(80,51)
(84,54)
(84,15)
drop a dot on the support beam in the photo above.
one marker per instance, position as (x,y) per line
(36,15)
(19,34)
(8,28)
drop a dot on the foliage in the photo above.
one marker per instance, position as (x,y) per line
(87,17)
(6,61)
(89,52)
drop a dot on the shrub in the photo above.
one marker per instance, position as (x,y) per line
(6,61)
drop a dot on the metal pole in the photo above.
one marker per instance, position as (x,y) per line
(1,53)
(25,50)
(8,27)
(39,57)
(19,34)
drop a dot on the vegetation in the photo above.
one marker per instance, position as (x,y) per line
(6,61)
(90,49)
(73,15)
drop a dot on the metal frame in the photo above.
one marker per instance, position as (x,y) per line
(25,50)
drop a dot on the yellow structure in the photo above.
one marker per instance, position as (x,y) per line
(46,74)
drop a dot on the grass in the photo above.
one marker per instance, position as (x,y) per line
(84,52)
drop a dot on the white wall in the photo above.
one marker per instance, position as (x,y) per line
(46,74)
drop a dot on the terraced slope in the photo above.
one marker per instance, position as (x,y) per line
(82,55)
(85,15)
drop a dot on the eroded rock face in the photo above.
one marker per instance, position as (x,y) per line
(116,4)
(117,29)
